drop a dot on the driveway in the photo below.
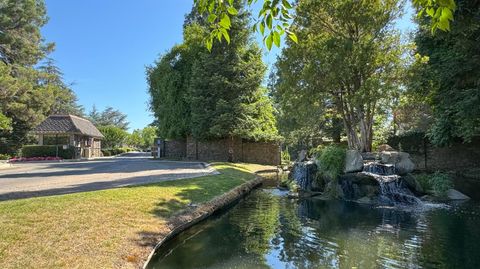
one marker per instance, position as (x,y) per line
(26,180)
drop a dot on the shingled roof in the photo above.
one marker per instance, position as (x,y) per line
(67,124)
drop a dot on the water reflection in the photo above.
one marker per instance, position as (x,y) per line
(268,230)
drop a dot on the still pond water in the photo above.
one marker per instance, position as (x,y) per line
(269,230)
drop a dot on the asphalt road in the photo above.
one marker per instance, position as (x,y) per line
(34,179)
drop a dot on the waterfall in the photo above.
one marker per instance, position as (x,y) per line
(303,173)
(392,189)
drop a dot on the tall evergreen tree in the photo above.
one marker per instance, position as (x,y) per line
(213,94)
(109,117)
(64,99)
(223,101)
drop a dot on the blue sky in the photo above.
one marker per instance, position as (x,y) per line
(103,47)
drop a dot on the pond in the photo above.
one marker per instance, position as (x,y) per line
(269,230)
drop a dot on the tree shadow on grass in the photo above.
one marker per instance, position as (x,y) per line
(196,191)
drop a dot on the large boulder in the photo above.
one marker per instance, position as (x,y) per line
(453,194)
(357,185)
(359,178)
(369,156)
(385,147)
(353,161)
(401,160)
(302,156)
(413,184)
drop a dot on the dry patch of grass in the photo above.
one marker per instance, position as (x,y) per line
(102,229)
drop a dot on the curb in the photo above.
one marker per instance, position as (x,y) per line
(5,165)
(190,217)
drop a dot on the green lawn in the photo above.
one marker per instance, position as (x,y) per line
(102,229)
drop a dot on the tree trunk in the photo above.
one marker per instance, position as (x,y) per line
(359,132)
(366,134)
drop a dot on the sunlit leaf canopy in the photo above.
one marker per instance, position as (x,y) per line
(274,18)
(440,12)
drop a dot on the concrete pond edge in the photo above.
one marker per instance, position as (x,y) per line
(196,214)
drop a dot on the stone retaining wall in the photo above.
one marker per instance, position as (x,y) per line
(175,149)
(224,150)
(457,157)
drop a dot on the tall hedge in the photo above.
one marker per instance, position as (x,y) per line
(47,151)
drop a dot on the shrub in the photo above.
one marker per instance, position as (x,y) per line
(47,151)
(424,181)
(288,183)
(115,151)
(438,183)
(285,157)
(106,152)
(4,157)
(315,152)
(332,161)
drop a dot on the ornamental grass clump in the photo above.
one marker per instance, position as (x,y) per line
(441,183)
(332,161)
(437,183)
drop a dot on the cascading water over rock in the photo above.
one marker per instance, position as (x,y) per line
(392,189)
(304,173)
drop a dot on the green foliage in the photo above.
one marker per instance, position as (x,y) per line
(168,81)
(438,183)
(142,138)
(348,65)
(5,156)
(109,116)
(116,151)
(276,17)
(332,161)
(149,134)
(424,180)
(286,157)
(288,183)
(21,40)
(272,22)
(113,136)
(191,95)
(412,141)
(135,139)
(47,151)
(439,11)
(64,100)
(5,123)
(413,112)
(30,89)
(448,78)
